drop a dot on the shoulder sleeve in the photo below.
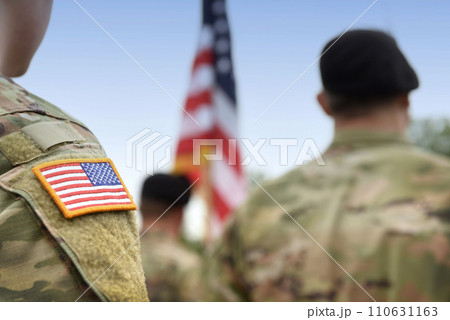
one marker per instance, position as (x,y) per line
(102,244)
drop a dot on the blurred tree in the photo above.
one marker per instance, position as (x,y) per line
(258,175)
(432,134)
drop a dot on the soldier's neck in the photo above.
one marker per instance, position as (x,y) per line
(395,120)
(167,225)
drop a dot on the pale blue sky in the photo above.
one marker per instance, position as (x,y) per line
(82,71)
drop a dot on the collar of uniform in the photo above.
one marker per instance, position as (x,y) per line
(364,138)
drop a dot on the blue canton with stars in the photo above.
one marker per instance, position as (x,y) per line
(215,16)
(100,173)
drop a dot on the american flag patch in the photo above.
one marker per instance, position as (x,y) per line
(82,186)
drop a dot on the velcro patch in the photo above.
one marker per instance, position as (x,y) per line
(82,186)
(47,134)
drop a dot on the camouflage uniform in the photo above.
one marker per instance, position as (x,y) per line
(171,269)
(44,256)
(379,206)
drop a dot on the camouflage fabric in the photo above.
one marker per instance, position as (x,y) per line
(380,207)
(171,269)
(44,256)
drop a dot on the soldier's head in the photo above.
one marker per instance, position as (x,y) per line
(22,27)
(366,79)
(164,193)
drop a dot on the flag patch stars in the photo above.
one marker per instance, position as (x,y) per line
(84,186)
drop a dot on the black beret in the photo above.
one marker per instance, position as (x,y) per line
(167,189)
(366,62)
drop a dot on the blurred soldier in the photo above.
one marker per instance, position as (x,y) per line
(171,268)
(379,206)
(64,212)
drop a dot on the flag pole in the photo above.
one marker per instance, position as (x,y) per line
(208,197)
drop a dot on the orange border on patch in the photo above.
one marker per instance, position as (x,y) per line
(76,213)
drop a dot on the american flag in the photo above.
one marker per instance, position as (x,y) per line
(211,102)
(82,187)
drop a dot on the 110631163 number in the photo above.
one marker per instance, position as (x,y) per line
(416,311)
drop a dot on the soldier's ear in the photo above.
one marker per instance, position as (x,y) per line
(324,102)
(403,100)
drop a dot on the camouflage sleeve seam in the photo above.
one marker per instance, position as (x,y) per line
(54,244)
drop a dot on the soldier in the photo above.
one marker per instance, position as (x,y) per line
(378,209)
(171,268)
(65,215)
